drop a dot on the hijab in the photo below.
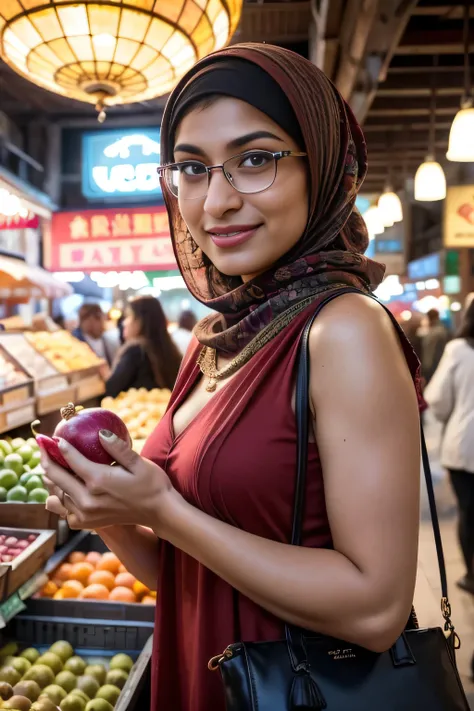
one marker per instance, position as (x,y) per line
(302,100)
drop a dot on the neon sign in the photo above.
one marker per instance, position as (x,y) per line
(121,164)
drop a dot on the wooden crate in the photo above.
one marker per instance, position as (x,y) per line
(22,413)
(22,515)
(89,387)
(20,570)
(54,401)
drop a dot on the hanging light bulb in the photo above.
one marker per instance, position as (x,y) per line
(430,181)
(373,220)
(461,136)
(390,208)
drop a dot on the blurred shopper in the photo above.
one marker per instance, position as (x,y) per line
(91,330)
(451,397)
(184,333)
(433,342)
(149,358)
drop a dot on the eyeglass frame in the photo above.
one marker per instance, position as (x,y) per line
(277,156)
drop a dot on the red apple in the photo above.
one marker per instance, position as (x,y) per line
(32,537)
(15,552)
(7,558)
(22,544)
(3,549)
(2,538)
(11,541)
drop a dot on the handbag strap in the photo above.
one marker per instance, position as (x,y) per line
(302,423)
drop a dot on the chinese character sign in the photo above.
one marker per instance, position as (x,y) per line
(103,239)
(121,164)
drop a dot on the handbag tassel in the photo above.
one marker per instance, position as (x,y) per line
(305,694)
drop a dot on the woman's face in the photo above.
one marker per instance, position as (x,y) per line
(131,326)
(273,220)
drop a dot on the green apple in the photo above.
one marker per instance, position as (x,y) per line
(8,478)
(5,447)
(38,496)
(14,461)
(35,458)
(17,443)
(3,494)
(34,482)
(18,493)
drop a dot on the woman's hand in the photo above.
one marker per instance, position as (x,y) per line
(134,491)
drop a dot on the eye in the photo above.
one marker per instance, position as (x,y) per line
(255,160)
(192,168)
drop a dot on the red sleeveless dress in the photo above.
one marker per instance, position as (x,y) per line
(235,461)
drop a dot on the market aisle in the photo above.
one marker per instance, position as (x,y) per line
(428,588)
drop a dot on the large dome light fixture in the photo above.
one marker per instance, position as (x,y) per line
(112,52)
(461,135)
(430,181)
(390,208)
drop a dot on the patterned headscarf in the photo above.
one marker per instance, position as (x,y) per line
(330,251)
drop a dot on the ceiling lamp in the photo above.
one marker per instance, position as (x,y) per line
(113,52)
(430,180)
(373,220)
(390,208)
(461,137)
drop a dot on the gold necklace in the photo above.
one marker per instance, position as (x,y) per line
(207,363)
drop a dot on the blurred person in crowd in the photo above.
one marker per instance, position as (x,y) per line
(59,321)
(260,176)
(149,358)
(183,334)
(433,341)
(91,330)
(450,395)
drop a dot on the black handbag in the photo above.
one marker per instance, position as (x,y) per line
(309,672)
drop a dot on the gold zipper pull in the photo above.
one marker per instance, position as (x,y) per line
(215,662)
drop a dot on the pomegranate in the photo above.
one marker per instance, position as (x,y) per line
(80,427)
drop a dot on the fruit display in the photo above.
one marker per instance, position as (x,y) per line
(10,374)
(13,546)
(21,473)
(33,680)
(141,410)
(63,351)
(96,576)
(17,346)
(80,427)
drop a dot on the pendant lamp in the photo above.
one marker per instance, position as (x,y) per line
(461,137)
(373,220)
(430,181)
(390,207)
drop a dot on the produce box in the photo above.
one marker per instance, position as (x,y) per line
(141,409)
(22,492)
(17,398)
(135,692)
(50,604)
(20,568)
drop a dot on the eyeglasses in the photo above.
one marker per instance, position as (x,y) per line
(249,172)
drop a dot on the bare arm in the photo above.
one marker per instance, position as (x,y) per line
(137,549)
(368,436)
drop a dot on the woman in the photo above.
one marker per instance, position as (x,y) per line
(262,241)
(149,358)
(183,335)
(450,395)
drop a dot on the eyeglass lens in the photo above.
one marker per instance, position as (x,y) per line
(249,172)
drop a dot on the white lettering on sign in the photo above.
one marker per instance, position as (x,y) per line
(118,254)
(126,177)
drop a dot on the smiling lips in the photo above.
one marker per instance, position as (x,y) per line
(232,236)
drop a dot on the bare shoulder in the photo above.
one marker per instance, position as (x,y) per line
(354,319)
(355,346)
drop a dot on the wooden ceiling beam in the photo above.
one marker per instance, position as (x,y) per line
(403,124)
(446,41)
(419,82)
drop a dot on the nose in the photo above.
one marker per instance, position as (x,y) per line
(221,196)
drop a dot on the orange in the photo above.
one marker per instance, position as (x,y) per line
(72,589)
(81,572)
(103,577)
(63,572)
(122,594)
(76,557)
(148,600)
(122,569)
(140,589)
(49,589)
(110,562)
(125,580)
(95,592)
(93,558)
(59,595)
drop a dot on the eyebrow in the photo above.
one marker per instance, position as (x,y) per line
(235,143)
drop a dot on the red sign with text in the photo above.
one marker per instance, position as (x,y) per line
(125,239)
(18,223)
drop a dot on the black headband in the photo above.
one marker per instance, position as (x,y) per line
(242,80)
